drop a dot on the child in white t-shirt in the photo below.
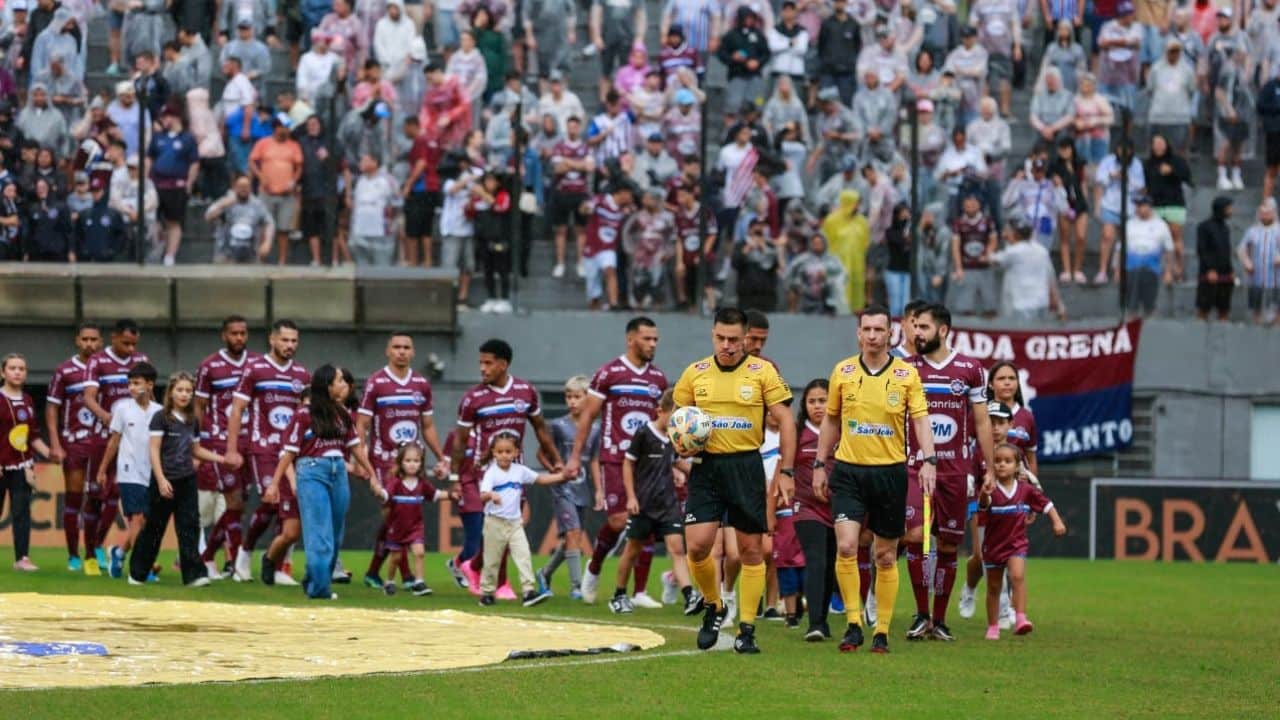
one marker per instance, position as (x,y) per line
(501,489)
(130,448)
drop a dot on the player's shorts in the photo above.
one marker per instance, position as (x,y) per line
(999,562)
(80,457)
(173,204)
(288,502)
(220,478)
(134,499)
(615,493)
(642,527)
(878,492)
(728,487)
(111,491)
(419,210)
(570,516)
(563,208)
(950,504)
(264,469)
(212,505)
(403,539)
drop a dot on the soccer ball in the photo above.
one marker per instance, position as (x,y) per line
(689,429)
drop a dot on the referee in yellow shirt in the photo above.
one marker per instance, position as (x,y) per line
(870,397)
(727,485)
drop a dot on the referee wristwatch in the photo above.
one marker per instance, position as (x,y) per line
(932,460)
(789,472)
(818,464)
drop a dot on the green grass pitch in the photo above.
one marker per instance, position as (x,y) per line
(1111,640)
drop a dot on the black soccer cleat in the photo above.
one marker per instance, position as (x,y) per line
(745,643)
(268,573)
(420,589)
(533,597)
(919,629)
(880,644)
(815,633)
(694,604)
(772,614)
(852,639)
(487,601)
(792,622)
(940,631)
(389,589)
(712,619)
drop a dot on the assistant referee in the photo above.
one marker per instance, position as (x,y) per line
(727,484)
(870,397)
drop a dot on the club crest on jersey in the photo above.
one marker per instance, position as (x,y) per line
(902,373)
(419,399)
(702,365)
(911,512)
(746,392)
(22,415)
(655,392)
(754,366)
(298,386)
(958,387)
(520,406)
(846,369)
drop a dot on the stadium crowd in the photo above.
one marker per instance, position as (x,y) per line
(787,182)
(768,508)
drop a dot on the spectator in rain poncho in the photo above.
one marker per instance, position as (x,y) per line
(876,108)
(392,36)
(62,37)
(40,122)
(195,58)
(784,107)
(406,77)
(123,111)
(342,23)
(365,130)
(815,281)
(318,70)
(849,236)
(66,91)
(261,15)
(147,26)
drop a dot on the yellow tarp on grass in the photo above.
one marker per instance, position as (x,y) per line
(184,642)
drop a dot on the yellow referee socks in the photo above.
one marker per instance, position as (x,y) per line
(886,595)
(751,584)
(850,587)
(703,573)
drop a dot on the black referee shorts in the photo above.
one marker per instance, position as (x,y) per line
(878,492)
(729,487)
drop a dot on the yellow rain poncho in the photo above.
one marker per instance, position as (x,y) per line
(848,236)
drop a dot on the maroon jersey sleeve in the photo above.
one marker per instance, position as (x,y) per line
(293,436)
(467,409)
(204,389)
(57,387)
(1036,500)
(600,382)
(367,399)
(244,388)
(92,369)
(352,438)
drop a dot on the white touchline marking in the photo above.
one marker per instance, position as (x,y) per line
(585,621)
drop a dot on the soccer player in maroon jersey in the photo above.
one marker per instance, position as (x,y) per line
(216,380)
(1007,504)
(571,166)
(396,406)
(70,427)
(626,390)
(955,390)
(106,383)
(500,404)
(270,389)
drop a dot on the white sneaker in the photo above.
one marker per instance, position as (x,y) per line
(869,610)
(488,306)
(503,307)
(557,272)
(642,600)
(1006,612)
(199,583)
(590,584)
(620,605)
(1237,180)
(212,570)
(244,566)
(168,261)
(582,271)
(1224,182)
(283,578)
(730,604)
(669,590)
(966,602)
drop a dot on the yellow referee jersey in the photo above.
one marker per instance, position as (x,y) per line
(873,410)
(735,398)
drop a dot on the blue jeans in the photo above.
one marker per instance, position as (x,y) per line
(323,498)
(238,153)
(472,534)
(898,286)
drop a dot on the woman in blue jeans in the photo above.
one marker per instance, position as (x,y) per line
(897,274)
(318,443)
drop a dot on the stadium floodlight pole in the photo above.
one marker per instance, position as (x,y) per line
(699,289)
(141,239)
